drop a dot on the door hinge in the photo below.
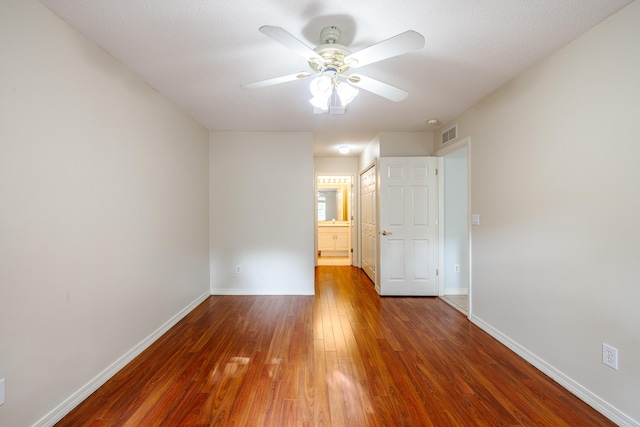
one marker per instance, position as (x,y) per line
(437,273)
(436,171)
(351,250)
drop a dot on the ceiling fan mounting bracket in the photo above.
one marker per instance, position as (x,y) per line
(330,35)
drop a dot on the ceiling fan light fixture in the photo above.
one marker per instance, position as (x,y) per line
(320,103)
(346,92)
(330,94)
(321,88)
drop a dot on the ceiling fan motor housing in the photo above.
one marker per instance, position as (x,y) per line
(332,53)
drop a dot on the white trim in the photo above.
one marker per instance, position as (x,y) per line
(440,226)
(76,398)
(368,166)
(467,141)
(453,147)
(593,400)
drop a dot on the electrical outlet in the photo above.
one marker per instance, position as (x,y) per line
(238,269)
(610,356)
(456,268)
(1,391)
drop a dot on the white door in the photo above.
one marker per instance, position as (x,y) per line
(408,226)
(368,222)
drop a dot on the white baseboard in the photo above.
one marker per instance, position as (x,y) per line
(75,399)
(593,400)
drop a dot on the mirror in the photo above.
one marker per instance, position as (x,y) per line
(333,202)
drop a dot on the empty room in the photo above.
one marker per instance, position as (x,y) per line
(319,213)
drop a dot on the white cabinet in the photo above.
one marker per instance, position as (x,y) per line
(334,240)
(342,239)
(326,239)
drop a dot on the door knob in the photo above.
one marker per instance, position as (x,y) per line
(385,232)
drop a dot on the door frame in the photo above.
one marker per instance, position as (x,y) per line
(372,164)
(455,146)
(354,214)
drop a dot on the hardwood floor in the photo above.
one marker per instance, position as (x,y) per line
(345,357)
(459,302)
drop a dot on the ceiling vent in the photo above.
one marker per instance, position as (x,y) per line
(450,134)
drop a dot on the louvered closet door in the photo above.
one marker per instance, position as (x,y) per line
(368,222)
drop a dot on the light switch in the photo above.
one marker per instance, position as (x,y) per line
(475,219)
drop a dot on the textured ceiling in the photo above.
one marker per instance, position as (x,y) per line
(198,53)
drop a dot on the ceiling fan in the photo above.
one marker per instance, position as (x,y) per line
(332,89)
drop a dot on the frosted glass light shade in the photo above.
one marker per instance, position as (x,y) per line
(347,93)
(321,88)
(327,89)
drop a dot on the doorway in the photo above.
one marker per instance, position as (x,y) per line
(334,195)
(456,248)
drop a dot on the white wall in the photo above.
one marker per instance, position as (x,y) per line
(262,213)
(336,165)
(396,144)
(104,214)
(555,179)
(369,155)
(405,144)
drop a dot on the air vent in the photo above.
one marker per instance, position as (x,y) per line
(450,134)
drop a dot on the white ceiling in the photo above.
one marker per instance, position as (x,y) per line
(198,53)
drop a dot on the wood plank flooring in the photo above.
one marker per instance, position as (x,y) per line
(345,357)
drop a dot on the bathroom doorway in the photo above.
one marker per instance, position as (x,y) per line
(335,220)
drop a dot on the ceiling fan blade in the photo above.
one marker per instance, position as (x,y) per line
(379,88)
(285,38)
(276,80)
(397,45)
